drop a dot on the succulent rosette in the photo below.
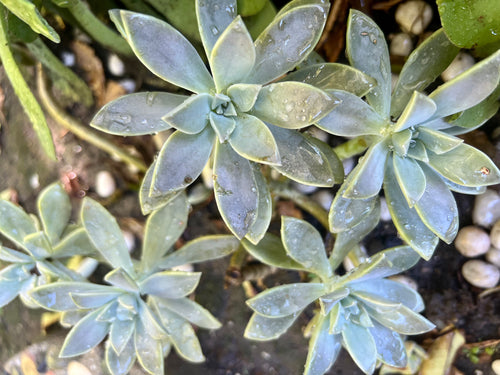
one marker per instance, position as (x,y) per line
(413,151)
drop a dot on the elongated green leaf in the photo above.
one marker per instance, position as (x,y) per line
(9,289)
(262,328)
(148,350)
(75,243)
(223,126)
(333,76)
(120,364)
(285,300)
(200,250)
(323,348)
(214,16)
(352,117)
(38,245)
(304,244)
(148,320)
(437,141)
(401,142)
(235,190)
(264,209)
(423,66)
(147,202)
(13,256)
(106,235)
(54,209)
(170,284)
(253,140)
(332,158)
(292,105)
(417,151)
(407,221)
(121,279)
(92,300)
(191,116)
(15,224)
(190,311)
(390,345)
(181,161)
(410,177)
(85,335)
(287,41)
(361,346)
(402,320)
(162,229)
(137,114)
(475,190)
(172,57)
(244,95)
(419,109)
(120,333)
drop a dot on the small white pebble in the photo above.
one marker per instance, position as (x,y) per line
(319,134)
(495,366)
(116,65)
(493,256)
(348,165)
(385,215)
(128,84)
(405,280)
(472,241)
(486,209)
(324,198)
(76,368)
(495,235)
(460,64)
(401,45)
(414,16)
(68,58)
(105,184)
(207,175)
(304,189)
(481,274)
(129,240)
(348,264)
(188,267)
(35,181)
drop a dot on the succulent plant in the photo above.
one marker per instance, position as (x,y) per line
(43,248)
(361,310)
(144,310)
(413,149)
(236,114)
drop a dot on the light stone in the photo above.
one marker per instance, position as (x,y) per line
(116,65)
(401,45)
(486,209)
(495,366)
(481,274)
(493,256)
(460,64)
(105,184)
(324,198)
(414,16)
(495,235)
(472,241)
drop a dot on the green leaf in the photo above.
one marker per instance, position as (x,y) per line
(13,256)
(148,350)
(9,289)
(162,229)
(324,348)
(244,95)
(475,190)
(292,105)
(148,203)
(329,301)
(419,109)
(93,300)
(407,221)
(301,158)
(390,345)
(285,300)
(170,284)
(148,320)
(271,251)
(191,116)
(478,168)
(120,333)
(180,14)
(304,244)
(181,160)
(191,311)
(233,55)
(352,117)
(258,22)
(171,57)
(417,151)
(368,176)
(200,250)
(263,328)
(84,336)
(470,24)
(223,125)
(410,177)
(469,88)
(333,76)
(367,51)
(288,40)
(361,346)
(401,142)
(418,71)
(75,243)
(137,114)
(264,208)
(38,245)
(54,209)
(437,207)
(120,364)
(235,190)
(437,141)
(250,7)
(214,16)
(121,279)
(15,224)
(402,320)
(332,158)
(27,11)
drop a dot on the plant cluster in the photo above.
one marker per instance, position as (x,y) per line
(242,121)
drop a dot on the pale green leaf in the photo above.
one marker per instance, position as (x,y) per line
(106,235)
(171,57)
(304,244)
(390,345)
(214,16)
(417,151)
(120,334)
(92,300)
(292,105)
(191,116)
(332,158)
(285,300)
(367,51)
(191,311)
(418,110)
(200,250)
(170,284)
(223,125)
(474,190)
(54,209)
(402,320)
(337,319)
(323,348)
(235,190)
(244,95)
(148,350)
(258,22)
(121,279)
(423,66)
(264,209)
(137,114)
(38,245)
(148,320)
(253,140)
(13,256)
(9,289)
(15,224)
(361,346)
(147,202)
(410,177)
(437,141)
(352,117)
(250,7)
(288,40)
(262,328)
(401,141)
(75,243)
(233,55)
(181,160)
(120,364)
(56,270)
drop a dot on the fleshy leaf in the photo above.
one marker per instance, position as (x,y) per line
(120,333)
(119,278)
(323,348)
(93,300)
(417,151)
(9,290)
(181,160)
(106,235)
(149,350)
(223,125)
(85,335)
(361,346)
(253,140)
(162,229)
(38,245)
(137,114)
(171,57)
(13,256)
(54,209)
(147,202)
(264,209)
(401,141)
(244,95)
(284,300)
(336,165)
(233,55)
(402,320)
(191,116)
(292,105)
(436,141)
(304,244)
(15,224)
(418,110)
(475,190)
(235,190)
(170,284)
(120,364)
(410,177)
(475,168)
(75,243)
(352,117)
(367,51)
(390,345)
(190,311)
(288,40)
(200,250)
(423,66)
(262,328)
